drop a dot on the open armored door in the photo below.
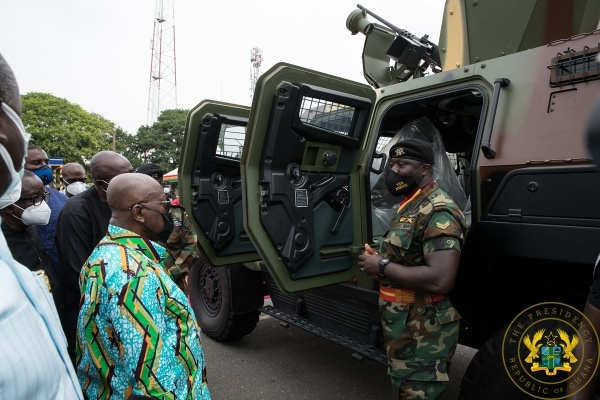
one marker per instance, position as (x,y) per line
(304,192)
(210,180)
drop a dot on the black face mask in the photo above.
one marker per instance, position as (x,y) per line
(399,185)
(163,235)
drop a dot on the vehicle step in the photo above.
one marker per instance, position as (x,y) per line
(354,345)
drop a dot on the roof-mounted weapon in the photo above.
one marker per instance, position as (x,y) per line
(412,55)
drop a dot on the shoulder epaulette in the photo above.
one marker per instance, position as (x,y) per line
(440,206)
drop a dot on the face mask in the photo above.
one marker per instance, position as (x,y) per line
(163,235)
(15,176)
(399,185)
(11,197)
(75,188)
(44,173)
(167,190)
(35,215)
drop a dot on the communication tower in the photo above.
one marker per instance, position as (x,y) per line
(162,94)
(256,56)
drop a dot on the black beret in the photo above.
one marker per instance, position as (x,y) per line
(414,149)
(151,169)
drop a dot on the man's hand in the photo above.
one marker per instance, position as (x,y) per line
(369,261)
(369,249)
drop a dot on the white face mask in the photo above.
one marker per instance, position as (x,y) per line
(76,187)
(167,190)
(35,215)
(11,197)
(15,176)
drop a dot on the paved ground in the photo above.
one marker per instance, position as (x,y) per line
(288,363)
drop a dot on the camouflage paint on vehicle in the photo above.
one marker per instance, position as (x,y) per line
(477,31)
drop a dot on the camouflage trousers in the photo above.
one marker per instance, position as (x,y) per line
(419,346)
(409,390)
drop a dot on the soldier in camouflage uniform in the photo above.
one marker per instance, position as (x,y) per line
(416,269)
(181,245)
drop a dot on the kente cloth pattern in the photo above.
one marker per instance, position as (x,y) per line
(136,332)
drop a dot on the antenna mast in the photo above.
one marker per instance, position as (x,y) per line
(256,56)
(162,93)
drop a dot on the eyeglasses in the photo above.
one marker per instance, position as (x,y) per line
(166,204)
(69,181)
(36,200)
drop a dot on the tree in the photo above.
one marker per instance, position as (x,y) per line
(125,145)
(161,143)
(64,129)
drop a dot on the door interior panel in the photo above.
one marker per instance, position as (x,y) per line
(310,149)
(216,183)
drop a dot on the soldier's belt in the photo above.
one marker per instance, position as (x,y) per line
(405,296)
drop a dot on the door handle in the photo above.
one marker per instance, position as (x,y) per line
(319,184)
(486,147)
(344,201)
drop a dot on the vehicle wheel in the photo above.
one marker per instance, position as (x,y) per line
(486,377)
(211,299)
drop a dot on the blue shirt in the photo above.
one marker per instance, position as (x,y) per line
(56,200)
(35,363)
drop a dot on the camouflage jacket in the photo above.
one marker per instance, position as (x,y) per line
(181,247)
(428,222)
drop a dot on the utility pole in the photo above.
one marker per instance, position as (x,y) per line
(162,93)
(256,56)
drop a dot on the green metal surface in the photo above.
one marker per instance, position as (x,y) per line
(189,152)
(266,88)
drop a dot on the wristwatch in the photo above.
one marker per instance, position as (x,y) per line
(382,264)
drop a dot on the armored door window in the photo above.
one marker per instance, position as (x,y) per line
(231,141)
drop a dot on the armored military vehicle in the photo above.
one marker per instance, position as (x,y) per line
(286,193)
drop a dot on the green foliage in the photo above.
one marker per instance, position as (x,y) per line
(64,129)
(125,145)
(161,143)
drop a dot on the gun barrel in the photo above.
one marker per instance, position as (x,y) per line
(383,21)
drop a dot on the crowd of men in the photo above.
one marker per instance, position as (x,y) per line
(96,272)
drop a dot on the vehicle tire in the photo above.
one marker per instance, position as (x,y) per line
(486,377)
(211,298)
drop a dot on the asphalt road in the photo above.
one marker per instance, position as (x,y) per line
(274,362)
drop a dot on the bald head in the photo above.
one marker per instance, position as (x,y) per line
(30,181)
(105,166)
(108,164)
(135,201)
(73,171)
(128,189)
(9,90)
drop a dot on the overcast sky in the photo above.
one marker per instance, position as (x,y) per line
(97,53)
